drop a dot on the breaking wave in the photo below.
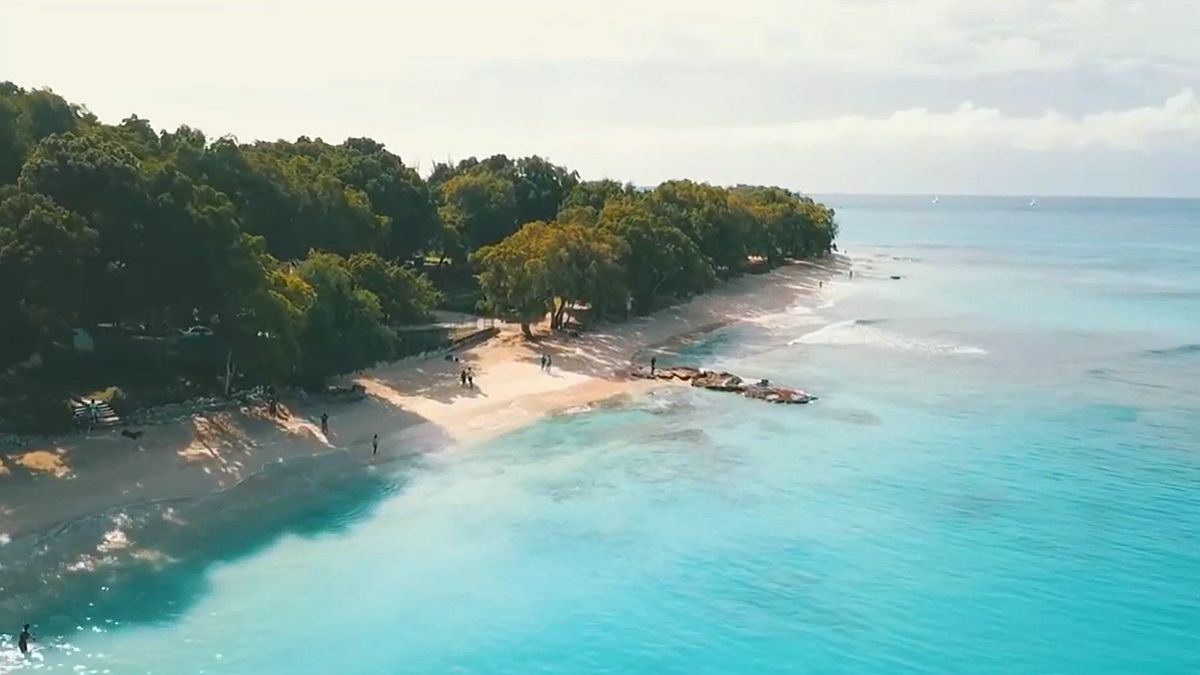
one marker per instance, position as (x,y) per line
(1178,350)
(866,332)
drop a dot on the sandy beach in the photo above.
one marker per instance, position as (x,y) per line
(414,405)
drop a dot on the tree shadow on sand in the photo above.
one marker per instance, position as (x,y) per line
(152,562)
(433,378)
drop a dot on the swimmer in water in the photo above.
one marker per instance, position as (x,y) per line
(25,638)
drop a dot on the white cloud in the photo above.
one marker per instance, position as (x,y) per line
(603,85)
(292,39)
(1177,119)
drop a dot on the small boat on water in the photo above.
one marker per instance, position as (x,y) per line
(1032,203)
(934,200)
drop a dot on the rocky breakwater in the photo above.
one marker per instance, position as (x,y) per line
(722,381)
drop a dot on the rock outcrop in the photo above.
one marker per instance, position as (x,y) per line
(722,381)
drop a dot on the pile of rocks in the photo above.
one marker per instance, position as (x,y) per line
(722,381)
(174,411)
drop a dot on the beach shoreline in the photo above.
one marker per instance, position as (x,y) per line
(416,404)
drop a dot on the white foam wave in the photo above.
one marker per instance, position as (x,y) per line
(857,332)
(773,318)
(793,317)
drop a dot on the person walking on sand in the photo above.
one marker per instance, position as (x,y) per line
(325,423)
(653,364)
(470,378)
(548,363)
(462,377)
(542,362)
(375,445)
(24,639)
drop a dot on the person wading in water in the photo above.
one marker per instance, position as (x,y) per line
(25,638)
(375,445)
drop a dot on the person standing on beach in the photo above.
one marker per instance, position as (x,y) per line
(325,423)
(548,362)
(462,377)
(375,445)
(470,378)
(25,638)
(653,364)
(542,362)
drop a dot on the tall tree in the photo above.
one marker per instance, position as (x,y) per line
(43,249)
(540,188)
(404,296)
(705,214)
(396,192)
(12,144)
(481,207)
(547,267)
(594,194)
(100,180)
(343,329)
(660,260)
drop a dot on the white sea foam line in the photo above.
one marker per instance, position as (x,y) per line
(851,332)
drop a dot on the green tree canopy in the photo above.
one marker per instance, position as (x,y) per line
(548,267)
(343,328)
(301,255)
(405,296)
(660,260)
(481,207)
(705,214)
(43,251)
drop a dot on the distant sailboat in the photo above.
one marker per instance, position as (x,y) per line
(934,200)
(1032,202)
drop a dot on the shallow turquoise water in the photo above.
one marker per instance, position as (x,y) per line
(1002,475)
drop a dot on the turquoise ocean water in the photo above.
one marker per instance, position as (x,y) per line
(1002,475)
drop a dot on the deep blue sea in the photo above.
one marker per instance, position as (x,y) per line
(1002,475)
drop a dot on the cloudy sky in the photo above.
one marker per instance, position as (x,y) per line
(1095,97)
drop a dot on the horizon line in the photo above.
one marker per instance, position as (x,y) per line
(996,195)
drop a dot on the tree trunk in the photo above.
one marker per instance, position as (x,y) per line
(525,329)
(229,373)
(556,321)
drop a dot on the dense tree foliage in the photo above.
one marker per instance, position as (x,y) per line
(660,260)
(42,251)
(291,252)
(480,209)
(550,267)
(303,256)
(676,241)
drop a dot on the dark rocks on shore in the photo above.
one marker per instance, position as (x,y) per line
(721,381)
